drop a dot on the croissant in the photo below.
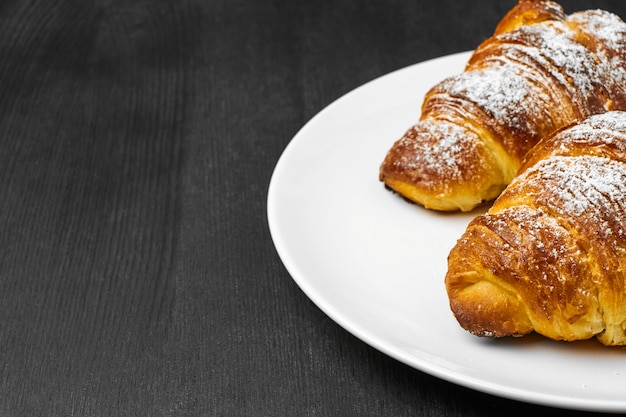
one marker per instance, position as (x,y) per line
(549,256)
(540,71)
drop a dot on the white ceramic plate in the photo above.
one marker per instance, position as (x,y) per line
(375,263)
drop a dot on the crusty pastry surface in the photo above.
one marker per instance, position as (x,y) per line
(540,71)
(550,254)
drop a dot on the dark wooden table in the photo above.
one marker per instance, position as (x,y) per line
(137,140)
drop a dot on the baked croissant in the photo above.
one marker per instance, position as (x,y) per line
(550,254)
(540,71)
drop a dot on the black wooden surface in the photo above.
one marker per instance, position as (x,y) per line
(137,140)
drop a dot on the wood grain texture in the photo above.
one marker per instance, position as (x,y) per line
(91,132)
(137,139)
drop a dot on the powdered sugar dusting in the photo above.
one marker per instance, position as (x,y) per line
(515,83)
(555,48)
(582,189)
(614,121)
(606,26)
(583,184)
(606,128)
(453,141)
(437,148)
(610,30)
(519,87)
(504,92)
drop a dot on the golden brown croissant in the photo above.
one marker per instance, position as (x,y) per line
(540,71)
(550,254)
